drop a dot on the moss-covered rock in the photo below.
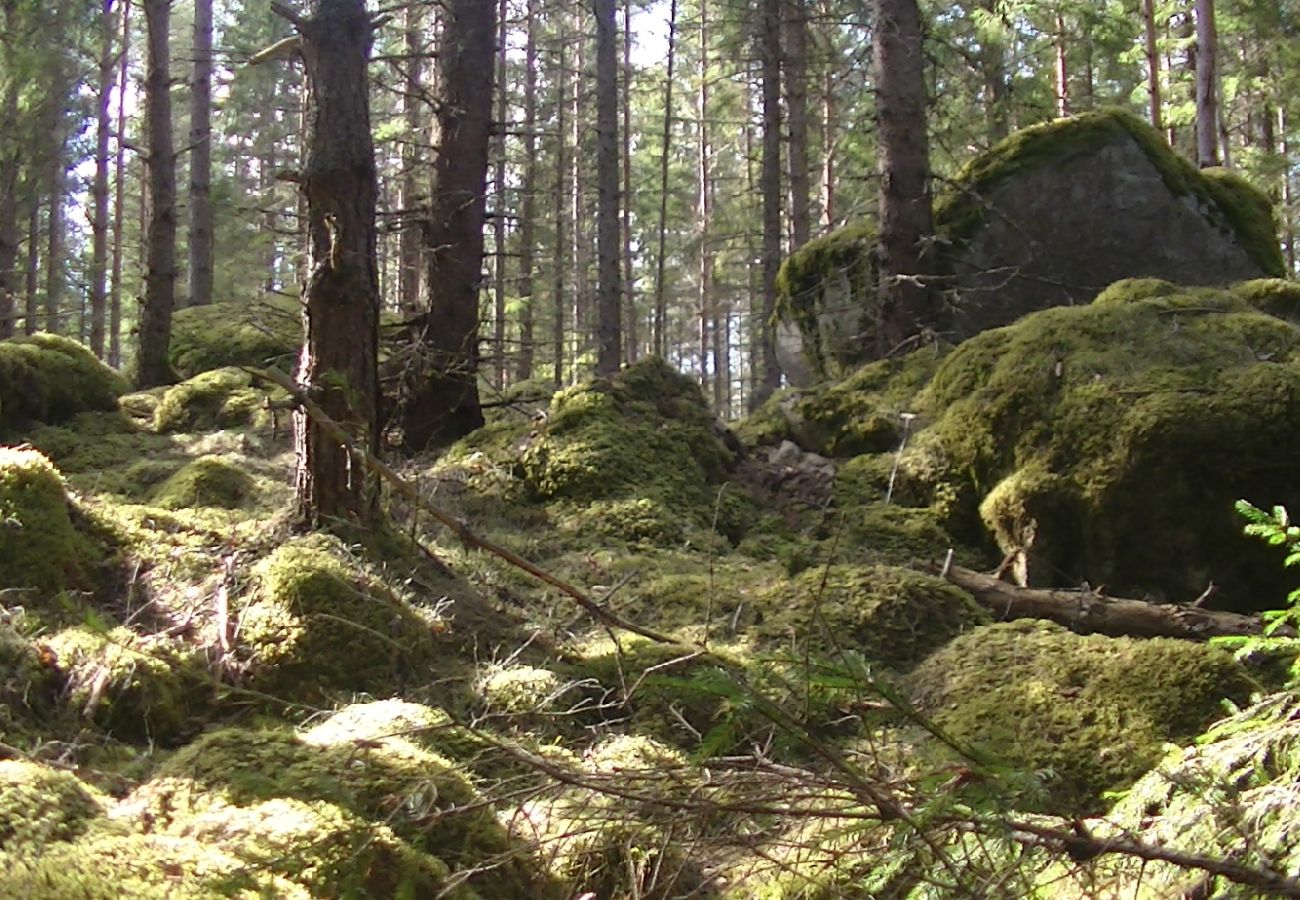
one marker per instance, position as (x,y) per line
(40,806)
(1109,442)
(222,398)
(207,481)
(39,547)
(28,688)
(1090,713)
(260,334)
(48,378)
(314,625)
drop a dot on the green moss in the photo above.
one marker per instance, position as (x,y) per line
(39,547)
(314,625)
(224,398)
(1131,290)
(893,617)
(1090,713)
(136,688)
(1273,296)
(27,686)
(40,806)
(519,690)
(1102,426)
(207,481)
(260,334)
(1231,201)
(47,378)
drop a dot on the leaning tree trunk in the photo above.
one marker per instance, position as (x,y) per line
(906,302)
(201,238)
(341,297)
(441,402)
(152,367)
(609,333)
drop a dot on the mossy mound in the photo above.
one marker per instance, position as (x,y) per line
(39,547)
(317,622)
(48,378)
(891,616)
(1091,713)
(1233,796)
(207,481)
(40,806)
(422,797)
(135,688)
(260,334)
(1109,442)
(222,398)
(28,687)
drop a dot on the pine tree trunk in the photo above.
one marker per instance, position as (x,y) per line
(31,323)
(99,221)
(1207,94)
(559,210)
(661,297)
(630,349)
(501,204)
(1153,64)
(152,367)
(54,252)
(8,213)
(703,218)
(770,187)
(795,62)
(907,304)
(201,236)
(409,250)
(119,197)
(580,239)
(528,206)
(609,350)
(1062,71)
(341,298)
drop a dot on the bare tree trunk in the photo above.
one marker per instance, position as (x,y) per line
(993,66)
(1062,68)
(703,217)
(630,348)
(99,221)
(907,303)
(501,205)
(201,237)
(1207,83)
(661,299)
(795,63)
(152,367)
(609,350)
(444,403)
(770,187)
(528,212)
(1288,196)
(33,267)
(580,238)
(409,249)
(341,297)
(8,213)
(1153,64)
(119,196)
(559,211)
(54,279)
(829,140)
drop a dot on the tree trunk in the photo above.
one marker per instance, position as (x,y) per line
(559,208)
(119,197)
(770,187)
(661,297)
(829,140)
(152,367)
(443,404)
(54,252)
(501,204)
(630,348)
(1153,64)
(528,210)
(703,219)
(1062,76)
(33,267)
(99,221)
(907,304)
(409,268)
(580,238)
(993,67)
(1288,224)
(341,297)
(1207,94)
(201,238)
(795,62)
(609,350)
(8,212)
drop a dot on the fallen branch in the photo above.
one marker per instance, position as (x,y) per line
(1088,611)
(461,530)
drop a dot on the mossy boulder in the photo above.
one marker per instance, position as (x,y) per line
(207,481)
(264,333)
(222,398)
(28,687)
(48,378)
(40,806)
(316,622)
(1109,442)
(1091,713)
(39,546)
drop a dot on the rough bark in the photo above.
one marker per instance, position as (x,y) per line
(54,234)
(152,367)
(33,267)
(703,219)
(341,296)
(609,332)
(443,403)
(630,328)
(501,204)
(8,211)
(907,303)
(769,378)
(99,189)
(795,63)
(528,205)
(1207,94)
(201,235)
(408,278)
(1153,64)
(559,208)
(665,147)
(1061,77)
(119,197)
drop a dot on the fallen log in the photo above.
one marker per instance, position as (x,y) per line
(1088,612)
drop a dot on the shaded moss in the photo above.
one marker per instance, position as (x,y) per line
(261,334)
(1090,713)
(40,806)
(39,547)
(223,398)
(1274,296)
(27,686)
(48,378)
(207,481)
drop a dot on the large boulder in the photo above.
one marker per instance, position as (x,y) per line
(48,378)
(1048,217)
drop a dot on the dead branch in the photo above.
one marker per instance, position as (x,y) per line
(279,50)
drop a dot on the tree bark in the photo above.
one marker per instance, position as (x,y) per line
(33,266)
(609,332)
(152,367)
(630,348)
(1153,64)
(770,187)
(201,235)
(54,251)
(795,62)
(906,302)
(501,204)
(1207,93)
(8,209)
(528,206)
(443,404)
(559,207)
(119,197)
(409,268)
(703,219)
(99,191)
(1062,70)
(341,297)
(661,297)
